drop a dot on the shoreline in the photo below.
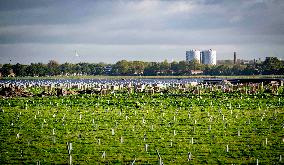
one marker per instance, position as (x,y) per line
(139,77)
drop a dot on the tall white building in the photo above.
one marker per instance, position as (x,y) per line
(193,54)
(209,57)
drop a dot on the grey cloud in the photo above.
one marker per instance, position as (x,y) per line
(211,2)
(78,34)
(12,5)
(52,12)
(140,23)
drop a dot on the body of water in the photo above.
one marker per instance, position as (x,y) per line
(107,81)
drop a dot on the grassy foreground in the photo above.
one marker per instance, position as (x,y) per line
(121,128)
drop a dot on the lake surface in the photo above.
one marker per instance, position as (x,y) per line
(109,81)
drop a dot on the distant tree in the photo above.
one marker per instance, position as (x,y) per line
(6,69)
(184,67)
(165,65)
(237,69)
(121,68)
(136,67)
(85,68)
(174,67)
(77,69)
(271,65)
(281,71)
(250,70)
(37,69)
(66,68)
(152,69)
(20,70)
(217,70)
(99,68)
(92,69)
(53,68)
(194,65)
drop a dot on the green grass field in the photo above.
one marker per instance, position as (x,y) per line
(121,128)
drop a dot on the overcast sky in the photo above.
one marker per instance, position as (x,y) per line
(108,31)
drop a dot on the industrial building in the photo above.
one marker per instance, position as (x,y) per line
(209,57)
(205,57)
(193,54)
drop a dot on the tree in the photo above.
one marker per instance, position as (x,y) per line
(121,68)
(53,68)
(20,70)
(271,65)
(37,69)
(194,65)
(174,67)
(99,68)
(66,68)
(217,70)
(237,69)
(85,68)
(6,69)
(250,70)
(138,67)
(151,69)
(184,67)
(164,67)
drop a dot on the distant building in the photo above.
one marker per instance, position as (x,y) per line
(196,72)
(270,58)
(12,75)
(225,62)
(205,57)
(193,54)
(209,57)
(235,58)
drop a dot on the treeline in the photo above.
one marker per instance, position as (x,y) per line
(271,65)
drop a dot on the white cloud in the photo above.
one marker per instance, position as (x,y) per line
(144,6)
(236,19)
(181,6)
